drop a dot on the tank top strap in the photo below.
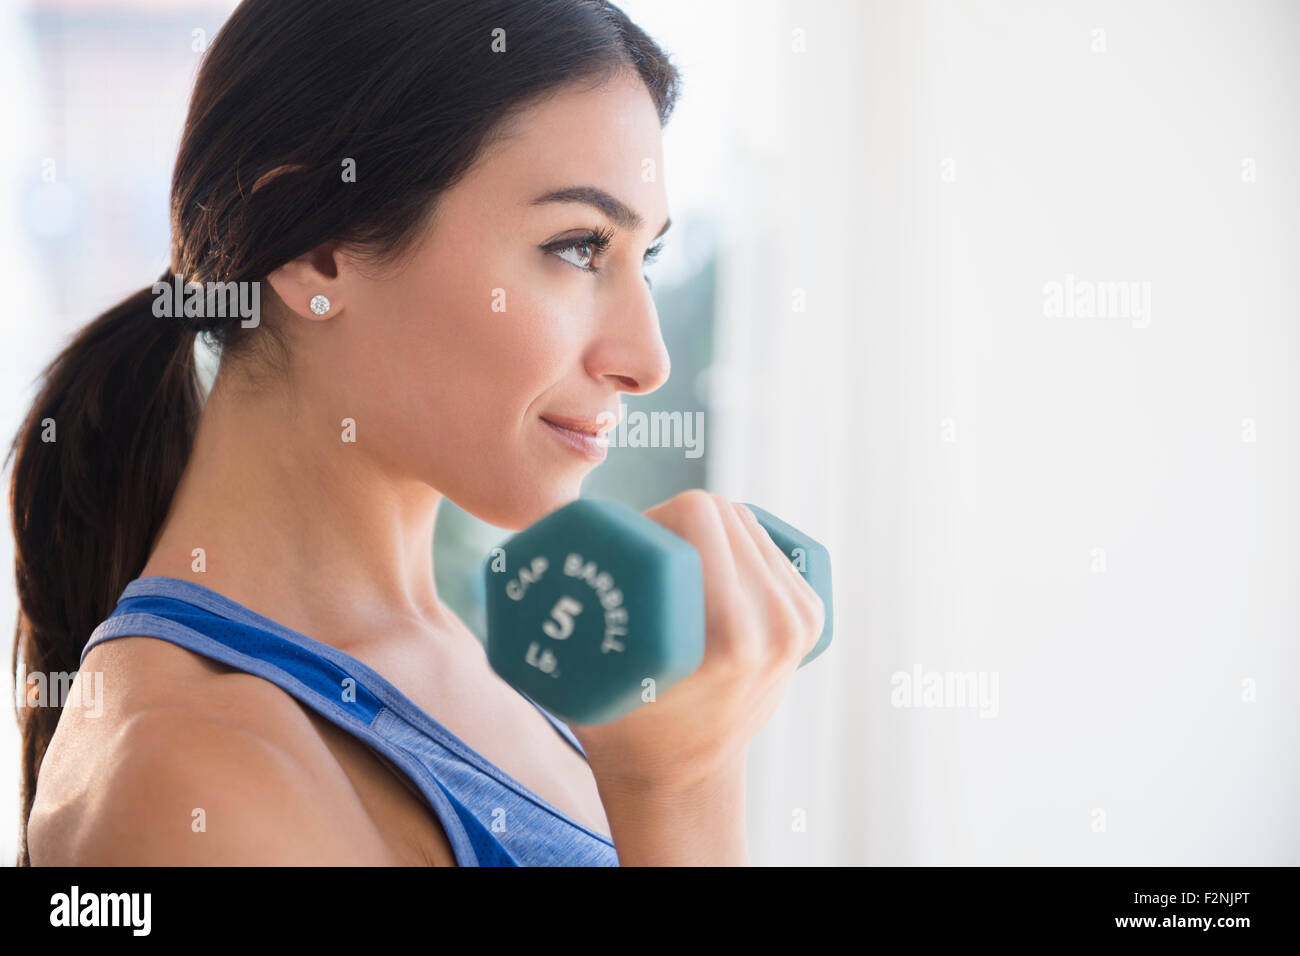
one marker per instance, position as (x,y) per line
(465,790)
(143,595)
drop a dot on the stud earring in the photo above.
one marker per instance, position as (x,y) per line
(319,304)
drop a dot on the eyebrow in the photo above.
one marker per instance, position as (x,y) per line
(618,211)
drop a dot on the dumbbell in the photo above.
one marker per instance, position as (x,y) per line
(595,609)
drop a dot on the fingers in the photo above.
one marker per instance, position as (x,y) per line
(753,566)
(771,583)
(761,604)
(806,599)
(776,559)
(692,515)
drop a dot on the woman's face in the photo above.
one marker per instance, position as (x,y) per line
(510,320)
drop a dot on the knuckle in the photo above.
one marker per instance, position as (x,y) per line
(756,529)
(695,504)
(814,610)
(748,656)
(740,660)
(725,609)
(801,586)
(812,635)
(723,506)
(787,629)
(819,623)
(694,497)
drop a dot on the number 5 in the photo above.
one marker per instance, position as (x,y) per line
(563,612)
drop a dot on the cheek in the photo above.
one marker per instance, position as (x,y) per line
(468,366)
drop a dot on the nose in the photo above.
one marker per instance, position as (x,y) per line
(629,351)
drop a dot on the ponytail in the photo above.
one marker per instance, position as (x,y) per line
(95,465)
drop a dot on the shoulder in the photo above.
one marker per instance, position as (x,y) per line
(189,762)
(177,788)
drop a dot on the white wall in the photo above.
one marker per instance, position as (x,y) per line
(922,172)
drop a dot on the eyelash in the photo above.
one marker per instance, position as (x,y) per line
(600,241)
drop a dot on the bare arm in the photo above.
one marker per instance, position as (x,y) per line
(701,825)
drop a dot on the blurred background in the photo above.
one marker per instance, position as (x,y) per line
(995,299)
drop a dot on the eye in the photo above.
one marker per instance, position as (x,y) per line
(581,252)
(651,255)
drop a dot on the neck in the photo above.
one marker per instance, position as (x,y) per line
(295,522)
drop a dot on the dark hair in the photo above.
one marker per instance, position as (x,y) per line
(412,91)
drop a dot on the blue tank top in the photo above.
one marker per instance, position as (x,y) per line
(490,818)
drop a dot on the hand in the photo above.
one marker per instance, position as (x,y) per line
(761,619)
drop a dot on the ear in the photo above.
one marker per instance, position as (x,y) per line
(316,273)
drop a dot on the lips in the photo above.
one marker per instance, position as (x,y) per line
(582,435)
(585,426)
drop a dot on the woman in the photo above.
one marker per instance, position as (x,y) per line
(445,207)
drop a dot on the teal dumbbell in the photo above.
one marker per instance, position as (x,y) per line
(595,603)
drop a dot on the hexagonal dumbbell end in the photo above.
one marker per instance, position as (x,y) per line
(811,559)
(588,604)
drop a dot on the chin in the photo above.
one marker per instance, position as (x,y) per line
(516,508)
